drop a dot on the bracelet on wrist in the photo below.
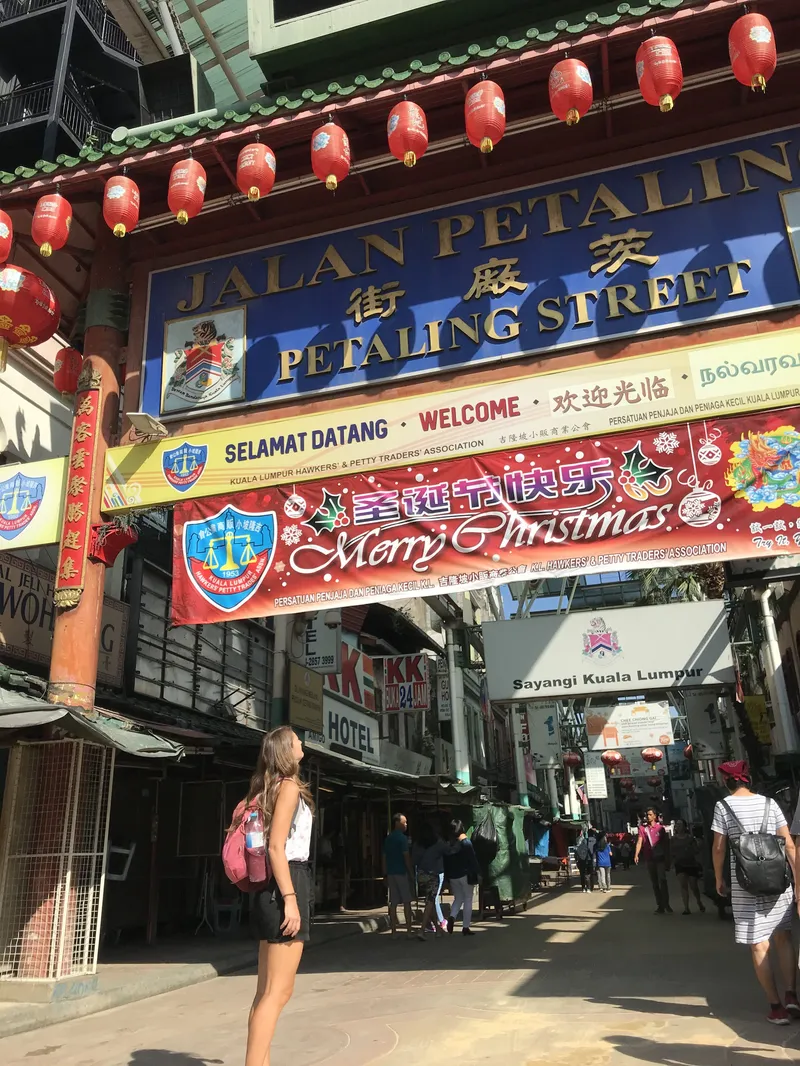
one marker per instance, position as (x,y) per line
(287,894)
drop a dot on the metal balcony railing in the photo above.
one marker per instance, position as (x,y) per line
(34,101)
(31,102)
(105,26)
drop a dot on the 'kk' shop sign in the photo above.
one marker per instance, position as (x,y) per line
(666,243)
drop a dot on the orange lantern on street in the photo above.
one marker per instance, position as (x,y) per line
(659,72)
(255,171)
(571,93)
(29,310)
(751,45)
(121,205)
(330,154)
(52,218)
(407,130)
(652,755)
(485,115)
(6,236)
(187,190)
(572,759)
(67,370)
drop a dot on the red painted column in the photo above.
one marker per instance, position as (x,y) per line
(76,636)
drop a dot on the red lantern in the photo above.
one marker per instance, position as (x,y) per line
(688,752)
(407,130)
(330,154)
(6,236)
(52,218)
(187,190)
(67,370)
(659,71)
(121,205)
(751,45)
(255,171)
(611,758)
(29,310)
(654,782)
(572,759)
(485,115)
(571,93)
(628,784)
(652,755)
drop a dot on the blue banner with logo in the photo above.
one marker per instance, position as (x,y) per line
(666,243)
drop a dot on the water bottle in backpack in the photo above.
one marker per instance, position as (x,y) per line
(255,850)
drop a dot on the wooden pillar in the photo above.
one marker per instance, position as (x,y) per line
(76,636)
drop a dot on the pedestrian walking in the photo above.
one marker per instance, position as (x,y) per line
(280,912)
(462,872)
(761,921)
(430,878)
(626,852)
(584,858)
(688,868)
(399,873)
(602,858)
(652,846)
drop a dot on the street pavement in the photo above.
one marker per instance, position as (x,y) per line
(578,980)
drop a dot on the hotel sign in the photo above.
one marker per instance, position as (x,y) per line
(672,242)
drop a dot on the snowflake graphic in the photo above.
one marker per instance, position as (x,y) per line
(666,443)
(291,535)
(280,566)
(693,507)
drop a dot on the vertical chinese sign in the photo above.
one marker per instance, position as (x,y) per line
(78,493)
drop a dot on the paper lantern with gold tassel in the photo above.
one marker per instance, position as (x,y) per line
(659,72)
(255,171)
(121,205)
(330,154)
(6,236)
(29,310)
(187,190)
(571,93)
(751,45)
(407,130)
(52,218)
(67,370)
(485,115)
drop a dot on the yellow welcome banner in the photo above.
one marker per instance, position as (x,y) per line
(31,503)
(698,382)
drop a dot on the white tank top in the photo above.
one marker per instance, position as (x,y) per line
(298,842)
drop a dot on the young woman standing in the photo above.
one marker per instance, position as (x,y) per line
(281,910)
(762,922)
(688,870)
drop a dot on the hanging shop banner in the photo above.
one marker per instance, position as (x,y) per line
(705,724)
(616,503)
(406,683)
(27,617)
(31,504)
(757,372)
(544,733)
(633,765)
(322,643)
(629,725)
(305,697)
(444,706)
(355,683)
(606,255)
(626,649)
(756,710)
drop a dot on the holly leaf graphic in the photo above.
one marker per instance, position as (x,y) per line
(641,468)
(329,515)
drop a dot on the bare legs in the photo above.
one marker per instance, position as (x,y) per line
(277,967)
(427,916)
(687,883)
(407,914)
(782,941)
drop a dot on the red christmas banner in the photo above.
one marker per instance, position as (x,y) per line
(689,493)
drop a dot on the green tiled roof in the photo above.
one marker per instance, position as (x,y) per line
(604,17)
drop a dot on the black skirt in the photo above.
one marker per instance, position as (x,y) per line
(267,911)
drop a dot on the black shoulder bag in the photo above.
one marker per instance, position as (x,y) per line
(759,858)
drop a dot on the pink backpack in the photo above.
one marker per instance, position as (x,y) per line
(234,858)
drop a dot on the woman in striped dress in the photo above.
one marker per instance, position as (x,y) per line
(759,920)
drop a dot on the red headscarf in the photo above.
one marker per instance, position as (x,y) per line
(737,771)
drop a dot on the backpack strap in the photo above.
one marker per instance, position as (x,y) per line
(736,821)
(767,810)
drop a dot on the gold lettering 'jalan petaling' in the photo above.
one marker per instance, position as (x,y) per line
(511,222)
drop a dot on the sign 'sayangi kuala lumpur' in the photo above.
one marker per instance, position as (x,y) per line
(605,255)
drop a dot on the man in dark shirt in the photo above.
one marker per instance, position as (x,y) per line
(398,872)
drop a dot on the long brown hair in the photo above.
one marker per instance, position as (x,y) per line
(276,764)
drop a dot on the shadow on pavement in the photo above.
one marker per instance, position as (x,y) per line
(162,1057)
(668,1054)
